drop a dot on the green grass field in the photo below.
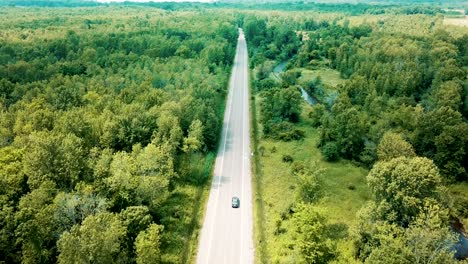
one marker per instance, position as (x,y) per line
(339,202)
(329,76)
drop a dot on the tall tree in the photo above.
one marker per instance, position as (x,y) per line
(313,240)
(393,146)
(97,240)
(401,187)
(147,245)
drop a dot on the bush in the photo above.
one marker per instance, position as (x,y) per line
(296,134)
(285,131)
(330,151)
(316,115)
(309,187)
(298,167)
(287,158)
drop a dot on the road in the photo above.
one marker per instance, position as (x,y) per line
(227,233)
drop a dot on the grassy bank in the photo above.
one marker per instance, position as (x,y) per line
(260,242)
(186,208)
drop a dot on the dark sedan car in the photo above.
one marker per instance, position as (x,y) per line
(235,202)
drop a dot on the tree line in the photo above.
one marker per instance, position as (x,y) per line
(402,112)
(104,117)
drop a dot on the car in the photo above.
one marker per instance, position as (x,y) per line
(235,202)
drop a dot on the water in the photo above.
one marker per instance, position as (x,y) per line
(280,67)
(310,100)
(462,246)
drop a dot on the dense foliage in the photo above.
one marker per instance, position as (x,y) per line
(402,111)
(105,115)
(410,84)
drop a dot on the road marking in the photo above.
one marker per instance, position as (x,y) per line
(243,169)
(230,95)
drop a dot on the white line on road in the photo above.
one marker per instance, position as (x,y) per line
(222,161)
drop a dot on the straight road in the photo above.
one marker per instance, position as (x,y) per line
(227,233)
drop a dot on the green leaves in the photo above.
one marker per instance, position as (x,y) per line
(97,240)
(404,185)
(426,240)
(99,116)
(393,146)
(278,105)
(142,176)
(406,222)
(54,157)
(194,139)
(313,240)
(147,245)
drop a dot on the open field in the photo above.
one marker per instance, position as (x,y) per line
(463,22)
(343,185)
(329,76)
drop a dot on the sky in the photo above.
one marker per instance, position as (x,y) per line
(203,1)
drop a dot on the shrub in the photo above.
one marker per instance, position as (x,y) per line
(287,158)
(330,151)
(316,115)
(273,149)
(309,186)
(296,134)
(285,131)
(298,167)
(261,150)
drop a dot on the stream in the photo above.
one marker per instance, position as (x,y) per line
(461,247)
(279,69)
(309,99)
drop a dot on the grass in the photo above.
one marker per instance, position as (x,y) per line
(329,76)
(339,202)
(257,183)
(458,21)
(185,209)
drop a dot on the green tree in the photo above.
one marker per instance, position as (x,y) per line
(169,131)
(448,94)
(36,230)
(97,240)
(12,178)
(308,183)
(148,244)
(351,126)
(122,183)
(393,146)
(426,240)
(402,186)
(316,114)
(330,151)
(73,208)
(313,238)
(290,104)
(452,151)
(135,219)
(279,105)
(194,139)
(8,248)
(54,157)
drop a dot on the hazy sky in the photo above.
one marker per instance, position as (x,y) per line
(204,1)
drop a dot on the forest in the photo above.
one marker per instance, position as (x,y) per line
(396,110)
(100,161)
(110,117)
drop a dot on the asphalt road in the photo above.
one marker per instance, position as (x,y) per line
(227,233)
